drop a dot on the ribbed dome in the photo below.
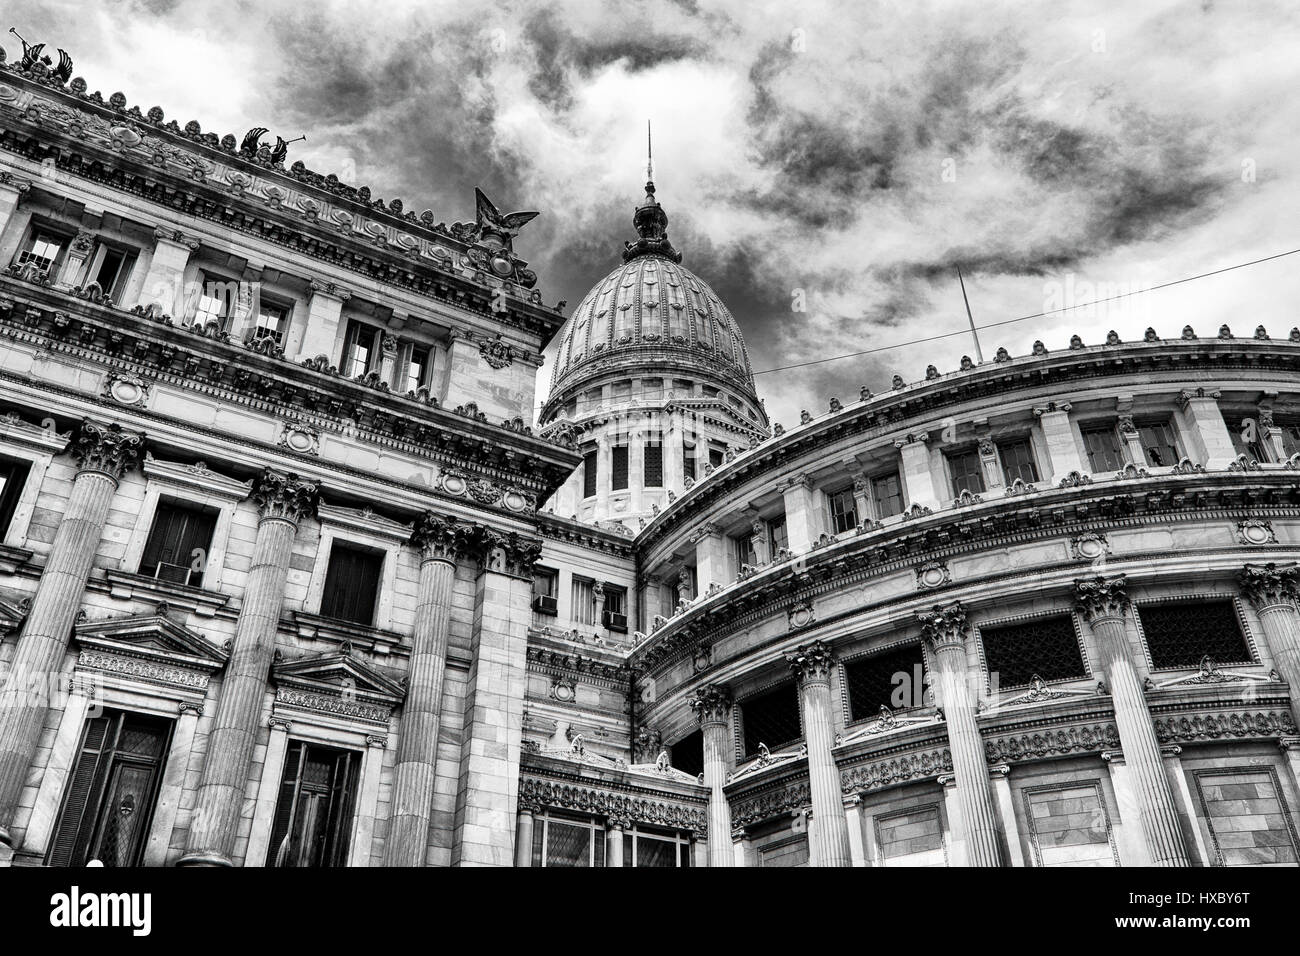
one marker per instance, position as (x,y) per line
(651,311)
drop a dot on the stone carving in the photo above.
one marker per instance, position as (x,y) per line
(507,553)
(1089,546)
(712,704)
(438,537)
(125,388)
(285,496)
(1256,531)
(1266,585)
(812,663)
(1101,598)
(106,448)
(800,614)
(496,352)
(298,435)
(944,625)
(933,574)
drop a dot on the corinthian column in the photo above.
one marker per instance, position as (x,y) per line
(1103,603)
(1274,592)
(441,541)
(829,839)
(712,705)
(945,630)
(282,502)
(104,453)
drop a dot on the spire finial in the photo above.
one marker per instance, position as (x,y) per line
(649,155)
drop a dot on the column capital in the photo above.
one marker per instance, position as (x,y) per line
(107,449)
(619,821)
(18,184)
(285,496)
(176,238)
(321,287)
(944,626)
(712,704)
(1101,598)
(812,663)
(1266,585)
(440,538)
(506,552)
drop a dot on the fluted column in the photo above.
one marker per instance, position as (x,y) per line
(615,828)
(282,502)
(524,834)
(104,453)
(1103,603)
(945,630)
(1274,592)
(440,541)
(829,839)
(712,705)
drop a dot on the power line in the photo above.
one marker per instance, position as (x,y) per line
(1024,318)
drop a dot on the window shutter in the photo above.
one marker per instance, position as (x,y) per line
(285,805)
(81,783)
(352,584)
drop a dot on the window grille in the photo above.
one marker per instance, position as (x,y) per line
(655,848)
(771,718)
(688,754)
(1047,647)
(894,679)
(1181,633)
(568,842)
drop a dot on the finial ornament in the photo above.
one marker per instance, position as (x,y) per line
(650,220)
(1101,598)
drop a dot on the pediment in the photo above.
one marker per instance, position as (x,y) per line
(719,410)
(338,674)
(154,635)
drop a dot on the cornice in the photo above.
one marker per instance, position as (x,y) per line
(556,528)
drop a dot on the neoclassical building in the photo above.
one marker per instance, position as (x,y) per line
(289,576)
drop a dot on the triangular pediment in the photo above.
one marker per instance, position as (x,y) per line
(153,635)
(719,410)
(338,673)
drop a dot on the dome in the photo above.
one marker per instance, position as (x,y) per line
(651,312)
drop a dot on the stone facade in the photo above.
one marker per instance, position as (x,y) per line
(287,578)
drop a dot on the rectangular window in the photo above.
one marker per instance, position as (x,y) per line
(1247,817)
(688,460)
(1068,826)
(417,368)
(584,601)
(887,493)
(894,679)
(654,463)
(1102,444)
(844,511)
(771,718)
(546,589)
(1018,461)
(271,322)
(313,816)
(1183,633)
(1244,432)
(687,755)
(1046,647)
(744,550)
(618,468)
(178,543)
(360,349)
(568,841)
(590,462)
(1158,443)
(44,249)
(717,456)
(13,478)
(966,471)
(352,583)
(615,608)
(777,538)
(114,271)
(1290,436)
(912,837)
(109,795)
(217,298)
(643,846)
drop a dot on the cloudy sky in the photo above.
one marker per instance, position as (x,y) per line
(826,166)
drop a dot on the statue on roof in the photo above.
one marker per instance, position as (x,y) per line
(34,54)
(490,227)
(253,148)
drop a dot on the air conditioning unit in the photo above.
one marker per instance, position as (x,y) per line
(545,604)
(615,621)
(175,573)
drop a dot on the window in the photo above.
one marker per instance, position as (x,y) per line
(546,589)
(887,493)
(1181,633)
(618,468)
(654,463)
(584,601)
(744,549)
(1047,647)
(313,817)
(352,583)
(844,512)
(1290,436)
(643,846)
(615,608)
(1068,825)
(108,800)
(360,349)
(114,271)
(13,478)
(568,841)
(1158,443)
(417,368)
(1018,461)
(688,460)
(771,718)
(1246,813)
(271,322)
(217,297)
(177,547)
(687,755)
(894,679)
(777,537)
(589,465)
(44,249)
(1245,436)
(1102,444)
(717,455)
(966,471)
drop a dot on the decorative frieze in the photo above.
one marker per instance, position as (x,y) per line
(538,793)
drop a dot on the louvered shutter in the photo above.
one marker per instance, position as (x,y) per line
(81,785)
